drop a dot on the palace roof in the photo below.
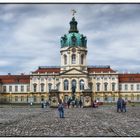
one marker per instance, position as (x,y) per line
(100,69)
(14,79)
(129,78)
(91,69)
(48,69)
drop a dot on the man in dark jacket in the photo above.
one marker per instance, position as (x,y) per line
(61,110)
(120,104)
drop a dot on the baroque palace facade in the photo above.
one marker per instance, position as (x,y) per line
(101,82)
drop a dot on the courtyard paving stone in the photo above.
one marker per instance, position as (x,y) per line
(102,121)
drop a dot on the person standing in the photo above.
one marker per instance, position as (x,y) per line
(124,105)
(61,110)
(68,103)
(120,104)
(42,104)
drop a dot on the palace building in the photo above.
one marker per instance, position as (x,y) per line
(48,82)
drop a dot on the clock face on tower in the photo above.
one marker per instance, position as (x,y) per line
(73,50)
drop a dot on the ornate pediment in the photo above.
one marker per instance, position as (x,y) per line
(74,71)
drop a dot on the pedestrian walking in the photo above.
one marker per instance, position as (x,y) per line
(61,109)
(80,103)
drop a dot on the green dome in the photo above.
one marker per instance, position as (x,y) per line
(73,38)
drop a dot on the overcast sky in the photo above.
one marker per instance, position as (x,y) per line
(30,35)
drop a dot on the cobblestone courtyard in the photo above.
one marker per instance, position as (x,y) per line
(35,121)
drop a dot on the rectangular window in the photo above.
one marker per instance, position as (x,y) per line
(10,88)
(120,87)
(126,87)
(42,87)
(98,87)
(132,87)
(22,98)
(113,87)
(105,87)
(16,88)
(22,88)
(28,88)
(4,88)
(138,87)
(16,98)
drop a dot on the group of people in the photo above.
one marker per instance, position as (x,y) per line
(44,104)
(73,103)
(121,105)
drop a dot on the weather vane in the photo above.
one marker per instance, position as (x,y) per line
(73,12)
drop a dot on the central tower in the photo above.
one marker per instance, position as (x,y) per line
(73,49)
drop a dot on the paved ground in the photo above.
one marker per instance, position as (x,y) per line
(104,121)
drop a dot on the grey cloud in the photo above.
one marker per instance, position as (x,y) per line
(30,34)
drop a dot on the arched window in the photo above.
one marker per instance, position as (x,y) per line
(65,60)
(82,59)
(113,86)
(42,98)
(81,84)
(42,87)
(16,98)
(73,85)
(49,86)
(105,86)
(73,59)
(66,85)
(34,87)
(126,97)
(98,87)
